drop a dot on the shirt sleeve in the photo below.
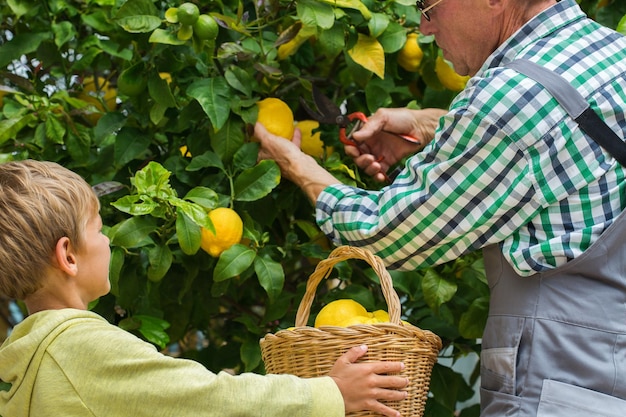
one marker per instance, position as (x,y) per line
(470,187)
(114,373)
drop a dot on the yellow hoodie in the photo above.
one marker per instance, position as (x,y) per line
(66,363)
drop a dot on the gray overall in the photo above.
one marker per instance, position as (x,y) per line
(555,342)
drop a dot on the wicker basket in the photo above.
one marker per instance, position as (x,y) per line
(310,352)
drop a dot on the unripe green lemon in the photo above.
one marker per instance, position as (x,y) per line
(205,27)
(188,13)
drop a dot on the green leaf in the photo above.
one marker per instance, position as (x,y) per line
(108,125)
(160,258)
(257,182)
(63,33)
(160,91)
(78,143)
(240,80)
(134,232)
(153,180)
(192,210)
(378,24)
(204,196)
(246,156)
(437,290)
(351,4)
(138,16)
(226,141)
(212,94)
(448,387)
(9,128)
(233,261)
(135,205)
(166,37)
(206,160)
(115,268)
(621,26)
(393,38)
(21,44)
(332,41)
(55,131)
(271,276)
(130,143)
(473,321)
(153,329)
(5,386)
(315,13)
(188,233)
(250,354)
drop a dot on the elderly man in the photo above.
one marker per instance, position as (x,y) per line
(524,165)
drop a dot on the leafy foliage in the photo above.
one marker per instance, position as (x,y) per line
(174,143)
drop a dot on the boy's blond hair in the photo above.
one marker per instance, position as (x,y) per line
(40,202)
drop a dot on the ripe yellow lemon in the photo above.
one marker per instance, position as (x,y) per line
(381,316)
(448,77)
(276,116)
(228,231)
(339,312)
(410,56)
(312,142)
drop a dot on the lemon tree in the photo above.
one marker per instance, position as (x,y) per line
(181,84)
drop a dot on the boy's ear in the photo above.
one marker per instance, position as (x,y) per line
(65,258)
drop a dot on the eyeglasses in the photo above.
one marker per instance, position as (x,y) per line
(424,9)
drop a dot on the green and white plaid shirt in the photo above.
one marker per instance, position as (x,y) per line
(507,164)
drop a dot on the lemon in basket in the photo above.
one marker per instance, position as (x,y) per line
(341,313)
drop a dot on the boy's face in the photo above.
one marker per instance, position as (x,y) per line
(93,262)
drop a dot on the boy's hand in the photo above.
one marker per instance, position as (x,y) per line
(364,384)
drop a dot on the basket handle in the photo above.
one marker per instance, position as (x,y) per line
(325,267)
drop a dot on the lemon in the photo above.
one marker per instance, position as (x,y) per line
(410,56)
(187,13)
(276,116)
(184,151)
(311,142)
(340,312)
(228,231)
(381,316)
(205,27)
(448,77)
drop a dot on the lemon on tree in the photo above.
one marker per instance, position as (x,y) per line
(205,27)
(228,231)
(187,13)
(311,143)
(410,56)
(343,313)
(448,77)
(276,116)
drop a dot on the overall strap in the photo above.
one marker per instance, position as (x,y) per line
(575,105)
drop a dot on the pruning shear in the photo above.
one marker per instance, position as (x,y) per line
(329,113)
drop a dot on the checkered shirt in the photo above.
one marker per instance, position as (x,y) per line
(507,164)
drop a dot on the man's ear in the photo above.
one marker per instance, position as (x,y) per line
(65,257)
